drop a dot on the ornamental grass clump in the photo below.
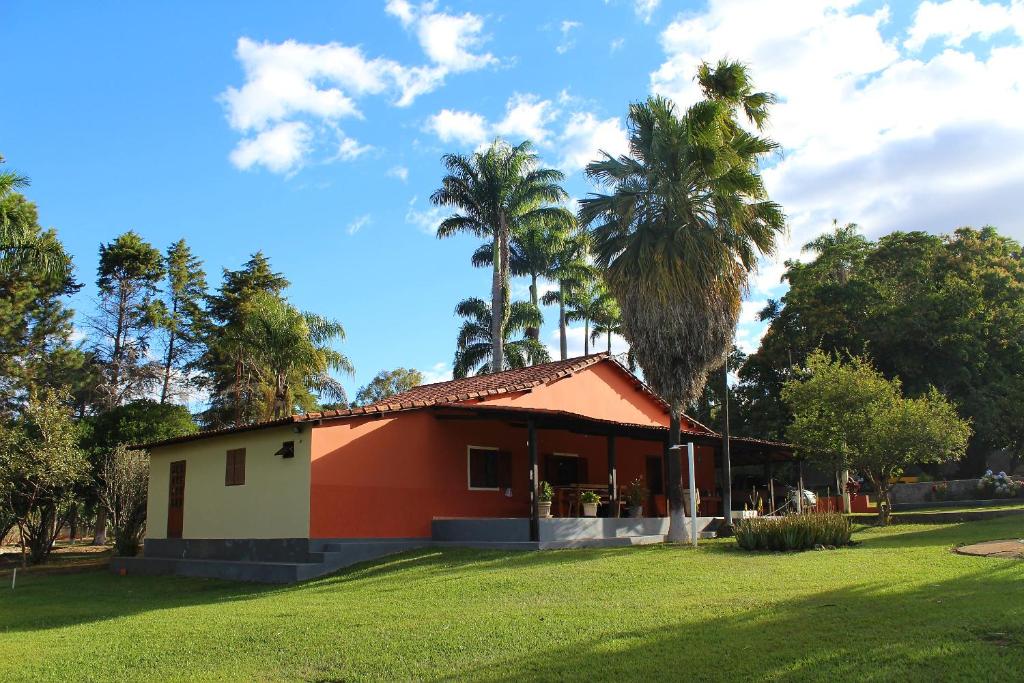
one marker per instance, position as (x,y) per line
(793,532)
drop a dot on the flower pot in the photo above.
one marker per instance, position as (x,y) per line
(544,508)
(590,509)
(636,512)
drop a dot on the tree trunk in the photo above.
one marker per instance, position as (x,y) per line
(726,455)
(609,341)
(676,513)
(73,522)
(586,337)
(99,534)
(533,332)
(497,308)
(563,340)
(169,361)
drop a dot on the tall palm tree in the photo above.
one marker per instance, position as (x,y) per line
(608,323)
(20,243)
(588,302)
(569,269)
(533,250)
(680,233)
(498,192)
(473,349)
(289,354)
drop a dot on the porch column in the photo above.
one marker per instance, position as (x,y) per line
(531,438)
(613,477)
(800,486)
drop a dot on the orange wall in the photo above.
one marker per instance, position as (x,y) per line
(390,476)
(601,391)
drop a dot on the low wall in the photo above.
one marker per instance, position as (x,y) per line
(921,492)
(235,549)
(553,529)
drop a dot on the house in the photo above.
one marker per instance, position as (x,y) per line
(455,462)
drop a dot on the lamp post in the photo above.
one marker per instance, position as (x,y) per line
(693,490)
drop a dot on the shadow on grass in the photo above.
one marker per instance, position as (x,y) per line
(968,628)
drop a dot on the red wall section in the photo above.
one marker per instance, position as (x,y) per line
(601,391)
(390,476)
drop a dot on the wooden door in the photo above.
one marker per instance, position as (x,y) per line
(176,500)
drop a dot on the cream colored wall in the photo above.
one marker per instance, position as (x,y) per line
(273,502)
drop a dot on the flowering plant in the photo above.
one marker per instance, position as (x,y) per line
(940,491)
(999,485)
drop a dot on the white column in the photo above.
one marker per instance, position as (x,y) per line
(693,495)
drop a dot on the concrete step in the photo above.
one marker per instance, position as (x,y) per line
(230,570)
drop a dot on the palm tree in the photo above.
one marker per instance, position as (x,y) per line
(680,233)
(532,253)
(288,352)
(21,245)
(588,302)
(499,192)
(608,323)
(569,268)
(473,350)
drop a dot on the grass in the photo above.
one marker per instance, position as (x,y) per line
(899,605)
(1008,505)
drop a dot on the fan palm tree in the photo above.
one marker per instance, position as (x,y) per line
(588,302)
(473,349)
(20,243)
(289,354)
(680,233)
(569,269)
(498,192)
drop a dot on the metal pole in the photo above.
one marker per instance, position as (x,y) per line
(726,457)
(531,431)
(693,495)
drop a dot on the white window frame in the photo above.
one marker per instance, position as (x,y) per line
(469,477)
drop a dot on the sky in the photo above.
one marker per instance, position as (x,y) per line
(314,131)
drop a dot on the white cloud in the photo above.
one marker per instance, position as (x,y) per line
(438,372)
(349,149)
(450,41)
(567,42)
(279,149)
(574,337)
(460,126)
(400,172)
(871,133)
(585,135)
(958,20)
(616,44)
(358,224)
(645,9)
(526,116)
(426,220)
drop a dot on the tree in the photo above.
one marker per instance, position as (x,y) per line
(129,271)
(123,494)
(588,302)
(20,244)
(472,353)
(687,218)
(35,325)
(499,192)
(569,269)
(933,310)
(40,464)
(182,317)
(849,415)
(235,394)
(388,383)
(289,354)
(608,322)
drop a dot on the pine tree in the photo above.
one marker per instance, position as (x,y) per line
(182,317)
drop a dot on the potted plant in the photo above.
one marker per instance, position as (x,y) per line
(589,499)
(544,495)
(636,494)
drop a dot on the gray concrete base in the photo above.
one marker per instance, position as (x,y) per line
(556,532)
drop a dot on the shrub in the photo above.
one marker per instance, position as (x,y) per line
(793,532)
(998,485)
(545,492)
(589,497)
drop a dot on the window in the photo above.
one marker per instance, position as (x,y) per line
(487,468)
(234,472)
(564,469)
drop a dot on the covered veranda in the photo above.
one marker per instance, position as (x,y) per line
(611,455)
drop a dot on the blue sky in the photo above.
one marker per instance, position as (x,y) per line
(314,131)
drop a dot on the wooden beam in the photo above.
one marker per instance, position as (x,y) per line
(531,436)
(613,477)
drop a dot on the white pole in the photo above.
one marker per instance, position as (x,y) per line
(14,577)
(693,495)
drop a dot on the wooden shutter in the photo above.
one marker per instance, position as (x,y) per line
(234,469)
(581,471)
(504,470)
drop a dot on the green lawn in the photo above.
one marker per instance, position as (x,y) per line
(899,605)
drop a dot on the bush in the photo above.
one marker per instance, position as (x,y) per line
(998,485)
(793,532)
